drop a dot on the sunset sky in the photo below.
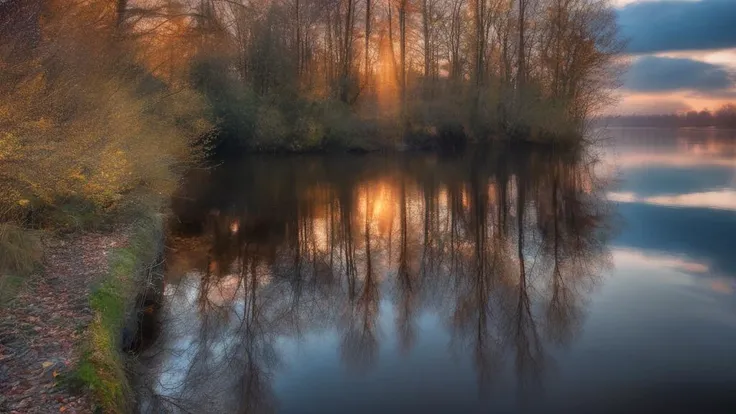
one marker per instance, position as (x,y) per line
(683,55)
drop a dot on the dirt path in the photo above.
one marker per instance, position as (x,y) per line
(41,328)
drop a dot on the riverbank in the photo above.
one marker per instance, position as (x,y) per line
(43,327)
(426,144)
(61,335)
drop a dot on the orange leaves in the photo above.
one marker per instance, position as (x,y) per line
(165,39)
(76,119)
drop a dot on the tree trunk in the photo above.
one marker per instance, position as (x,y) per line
(298,42)
(479,40)
(367,40)
(402,47)
(521,75)
(425,28)
(348,53)
(122,7)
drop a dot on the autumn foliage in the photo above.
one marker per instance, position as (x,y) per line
(104,102)
(80,119)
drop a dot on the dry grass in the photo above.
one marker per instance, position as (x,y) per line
(20,254)
(20,249)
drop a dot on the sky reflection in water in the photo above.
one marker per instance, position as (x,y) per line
(512,283)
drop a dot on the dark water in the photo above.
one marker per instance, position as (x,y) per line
(497,282)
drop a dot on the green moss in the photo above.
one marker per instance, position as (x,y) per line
(102,366)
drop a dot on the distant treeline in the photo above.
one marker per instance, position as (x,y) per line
(724,117)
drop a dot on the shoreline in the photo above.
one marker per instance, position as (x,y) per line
(61,336)
(43,327)
(432,147)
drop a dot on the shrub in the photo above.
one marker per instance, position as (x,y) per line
(19,249)
(234,106)
(272,129)
(91,130)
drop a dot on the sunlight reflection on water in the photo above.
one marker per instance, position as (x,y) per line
(401,283)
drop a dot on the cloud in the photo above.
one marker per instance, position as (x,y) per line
(622,3)
(716,199)
(722,57)
(651,259)
(727,94)
(649,105)
(678,25)
(654,103)
(700,272)
(676,160)
(663,74)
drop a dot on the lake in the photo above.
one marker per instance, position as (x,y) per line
(495,281)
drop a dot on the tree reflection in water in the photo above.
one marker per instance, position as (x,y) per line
(505,248)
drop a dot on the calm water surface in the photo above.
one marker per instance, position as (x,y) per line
(497,282)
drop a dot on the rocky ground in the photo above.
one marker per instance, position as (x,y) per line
(41,329)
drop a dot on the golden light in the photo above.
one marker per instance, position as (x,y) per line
(386,81)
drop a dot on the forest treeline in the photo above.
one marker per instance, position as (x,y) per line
(723,117)
(301,74)
(103,103)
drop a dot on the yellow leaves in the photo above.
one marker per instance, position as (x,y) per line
(166,50)
(202,125)
(90,131)
(76,175)
(5,113)
(43,124)
(46,364)
(29,89)
(9,145)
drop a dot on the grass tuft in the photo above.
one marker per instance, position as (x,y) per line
(20,254)
(20,249)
